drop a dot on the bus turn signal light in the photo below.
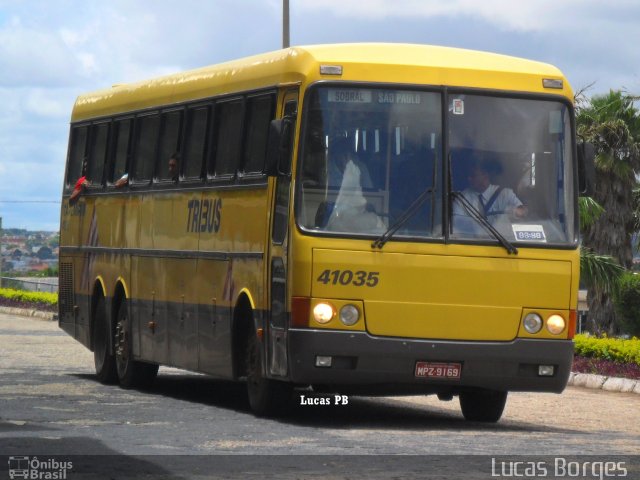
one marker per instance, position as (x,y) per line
(573,321)
(300,311)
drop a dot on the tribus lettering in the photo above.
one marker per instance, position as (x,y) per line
(204,216)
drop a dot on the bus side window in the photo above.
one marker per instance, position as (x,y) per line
(260,112)
(169,142)
(228,137)
(121,136)
(195,141)
(77,153)
(98,153)
(147,129)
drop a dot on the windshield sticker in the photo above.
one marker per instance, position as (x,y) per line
(349,96)
(529,233)
(458,106)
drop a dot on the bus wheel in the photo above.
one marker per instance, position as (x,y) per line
(482,405)
(266,397)
(131,373)
(103,359)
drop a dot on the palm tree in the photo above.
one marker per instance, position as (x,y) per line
(596,271)
(600,272)
(612,123)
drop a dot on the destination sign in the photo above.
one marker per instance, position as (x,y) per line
(406,98)
(352,95)
(349,96)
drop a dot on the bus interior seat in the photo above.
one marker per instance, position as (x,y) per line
(410,175)
(323,213)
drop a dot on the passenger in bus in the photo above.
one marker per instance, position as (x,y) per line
(174,167)
(340,157)
(81,184)
(351,212)
(492,201)
(122,181)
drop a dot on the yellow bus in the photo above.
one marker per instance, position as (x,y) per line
(359,219)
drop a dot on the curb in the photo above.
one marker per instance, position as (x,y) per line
(584,380)
(28,312)
(601,382)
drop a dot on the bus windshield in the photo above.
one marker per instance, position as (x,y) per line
(372,162)
(510,159)
(368,155)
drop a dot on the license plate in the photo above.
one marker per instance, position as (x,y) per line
(438,370)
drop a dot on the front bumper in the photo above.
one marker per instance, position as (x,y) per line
(367,364)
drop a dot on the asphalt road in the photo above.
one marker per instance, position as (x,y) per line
(190,426)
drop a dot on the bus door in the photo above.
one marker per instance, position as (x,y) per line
(276,338)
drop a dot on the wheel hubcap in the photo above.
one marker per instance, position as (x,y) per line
(121,341)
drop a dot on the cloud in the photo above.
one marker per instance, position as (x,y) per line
(42,103)
(522,15)
(32,57)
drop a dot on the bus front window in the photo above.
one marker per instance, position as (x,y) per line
(511,161)
(368,154)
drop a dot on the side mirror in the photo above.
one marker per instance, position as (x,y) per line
(279,147)
(586,169)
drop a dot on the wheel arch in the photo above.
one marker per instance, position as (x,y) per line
(120,293)
(242,322)
(98,291)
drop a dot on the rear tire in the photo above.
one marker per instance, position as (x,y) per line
(131,373)
(103,358)
(266,397)
(482,405)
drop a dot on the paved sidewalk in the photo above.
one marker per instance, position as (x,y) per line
(28,312)
(602,382)
(586,380)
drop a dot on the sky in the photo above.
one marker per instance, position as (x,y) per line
(53,50)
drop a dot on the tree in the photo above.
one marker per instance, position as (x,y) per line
(612,123)
(600,272)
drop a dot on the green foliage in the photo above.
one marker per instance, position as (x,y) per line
(615,349)
(627,301)
(600,271)
(29,297)
(589,210)
(611,121)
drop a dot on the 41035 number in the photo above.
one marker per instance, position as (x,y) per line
(359,278)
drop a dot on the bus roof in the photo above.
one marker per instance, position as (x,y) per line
(362,62)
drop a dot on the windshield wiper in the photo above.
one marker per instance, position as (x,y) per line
(476,215)
(408,213)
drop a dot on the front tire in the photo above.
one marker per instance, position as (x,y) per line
(482,405)
(131,373)
(266,397)
(103,358)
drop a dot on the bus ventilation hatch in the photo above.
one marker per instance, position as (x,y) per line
(65,294)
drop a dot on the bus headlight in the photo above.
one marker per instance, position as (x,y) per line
(532,323)
(323,312)
(349,315)
(555,324)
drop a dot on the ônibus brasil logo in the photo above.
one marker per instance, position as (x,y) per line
(33,468)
